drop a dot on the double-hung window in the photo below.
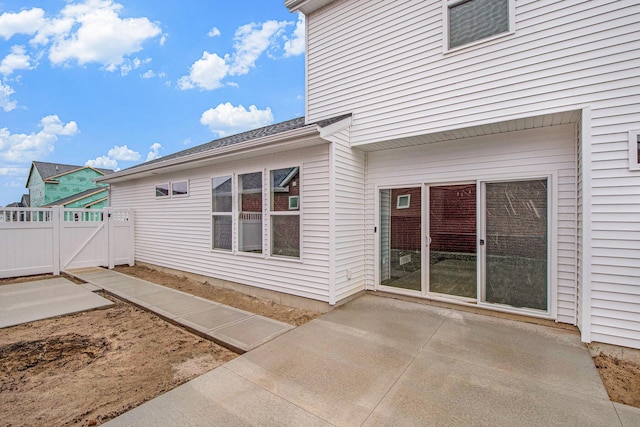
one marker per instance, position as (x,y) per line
(250,212)
(469,21)
(221,213)
(285,212)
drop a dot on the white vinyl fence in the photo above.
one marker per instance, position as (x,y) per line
(50,240)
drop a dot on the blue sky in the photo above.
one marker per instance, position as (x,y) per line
(114,83)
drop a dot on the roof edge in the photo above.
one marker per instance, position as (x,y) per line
(304,131)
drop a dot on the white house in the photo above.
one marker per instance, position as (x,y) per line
(481,152)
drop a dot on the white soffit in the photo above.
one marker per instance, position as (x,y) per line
(534,122)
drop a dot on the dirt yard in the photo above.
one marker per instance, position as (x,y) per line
(621,379)
(86,368)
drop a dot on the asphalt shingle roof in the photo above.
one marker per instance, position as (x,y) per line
(274,129)
(47,170)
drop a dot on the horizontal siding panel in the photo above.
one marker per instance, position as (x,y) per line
(176,233)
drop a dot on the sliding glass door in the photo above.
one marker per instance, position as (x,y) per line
(516,252)
(450,241)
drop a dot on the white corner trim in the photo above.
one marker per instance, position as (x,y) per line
(585,295)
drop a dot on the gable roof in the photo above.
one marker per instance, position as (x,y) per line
(51,170)
(264,135)
(78,196)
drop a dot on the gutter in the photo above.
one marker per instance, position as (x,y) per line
(299,133)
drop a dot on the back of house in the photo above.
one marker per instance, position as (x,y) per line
(483,153)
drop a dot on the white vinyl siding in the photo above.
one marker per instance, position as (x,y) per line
(177,233)
(349,211)
(383,62)
(526,153)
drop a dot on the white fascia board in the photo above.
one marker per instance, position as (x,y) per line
(291,136)
(305,6)
(335,127)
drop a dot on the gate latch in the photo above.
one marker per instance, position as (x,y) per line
(481,242)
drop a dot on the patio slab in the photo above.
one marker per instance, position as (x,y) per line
(42,299)
(377,361)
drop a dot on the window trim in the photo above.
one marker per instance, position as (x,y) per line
(237,207)
(179,196)
(222,213)
(447,4)
(634,150)
(290,212)
(406,197)
(168,195)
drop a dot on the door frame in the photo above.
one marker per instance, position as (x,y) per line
(552,243)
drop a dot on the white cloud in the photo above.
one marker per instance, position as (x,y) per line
(103,162)
(251,40)
(149,74)
(206,73)
(132,64)
(17,183)
(16,60)
(101,35)
(295,45)
(214,32)
(13,171)
(23,22)
(5,92)
(154,151)
(123,153)
(226,119)
(20,147)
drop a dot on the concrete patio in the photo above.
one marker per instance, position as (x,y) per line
(42,299)
(378,361)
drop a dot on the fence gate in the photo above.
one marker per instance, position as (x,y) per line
(50,240)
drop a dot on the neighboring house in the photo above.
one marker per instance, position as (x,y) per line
(53,184)
(483,153)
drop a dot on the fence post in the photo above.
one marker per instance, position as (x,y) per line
(111,235)
(57,223)
(132,243)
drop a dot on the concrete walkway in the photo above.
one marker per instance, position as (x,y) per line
(42,299)
(236,329)
(378,362)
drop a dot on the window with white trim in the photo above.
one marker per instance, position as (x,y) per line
(634,150)
(284,211)
(180,189)
(469,21)
(250,212)
(162,190)
(221,213)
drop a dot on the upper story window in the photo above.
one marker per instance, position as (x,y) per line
(634,150)
(162,190)
(469,21)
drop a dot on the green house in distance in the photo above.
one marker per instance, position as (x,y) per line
(69,186)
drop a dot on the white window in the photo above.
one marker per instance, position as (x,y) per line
(634,150)
(403,201)
(162,190)
(180,189)
(221,213)
(250,212)
(469,21)
(285,212)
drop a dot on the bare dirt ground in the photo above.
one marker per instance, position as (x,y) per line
(87,368)
(263,307)
(621,379)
